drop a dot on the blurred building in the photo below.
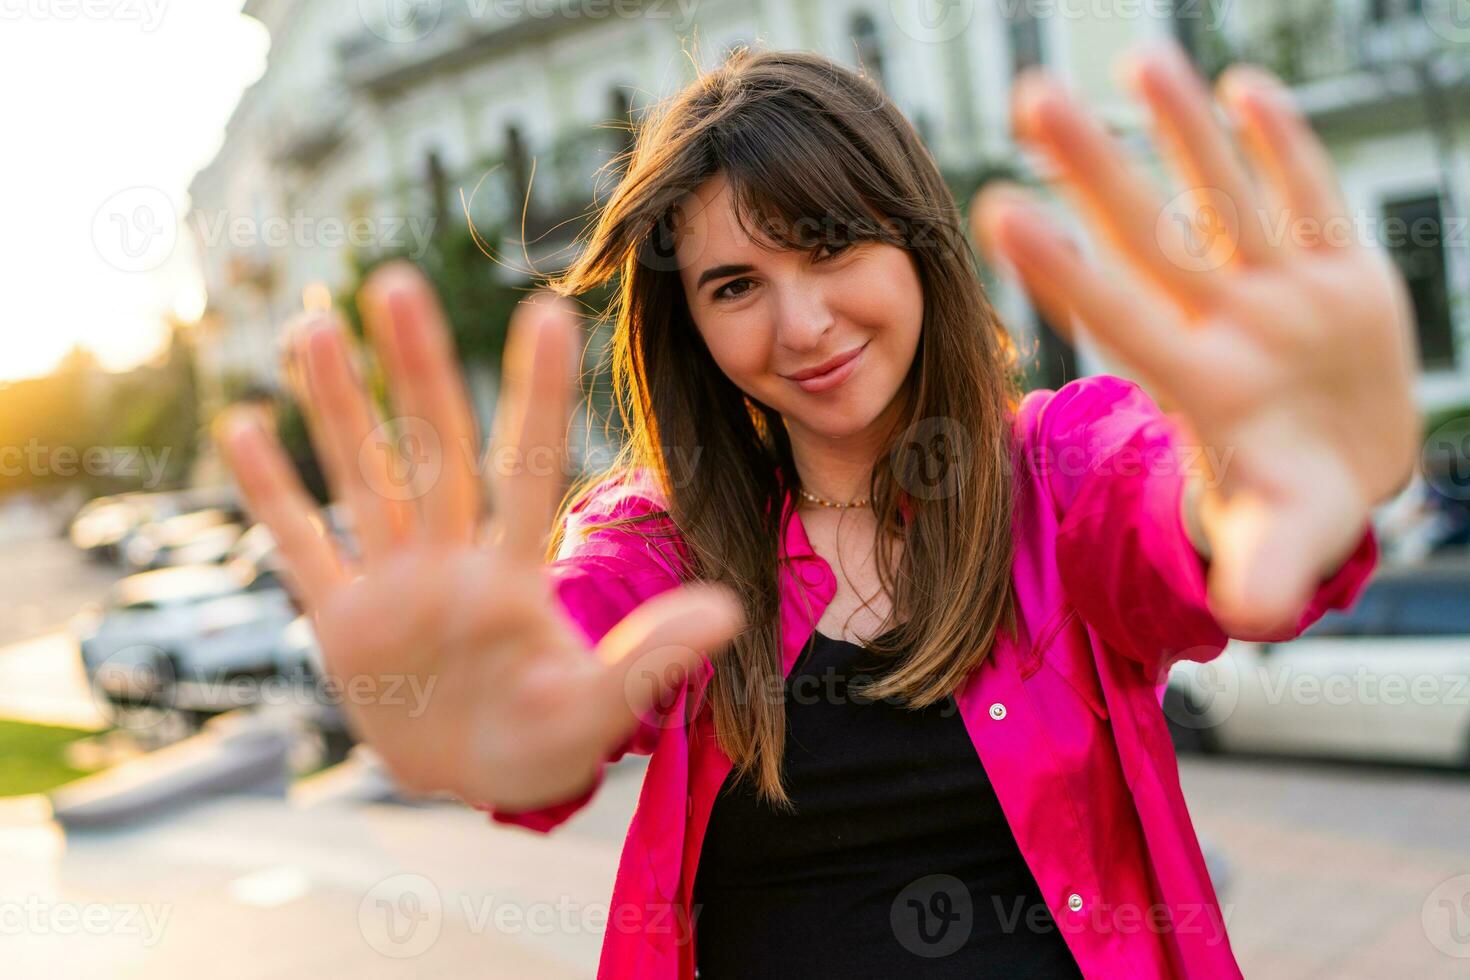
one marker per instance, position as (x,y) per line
(376,122)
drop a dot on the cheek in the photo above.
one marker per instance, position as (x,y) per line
(887,301)
(740,346)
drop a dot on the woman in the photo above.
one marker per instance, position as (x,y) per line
(936,615)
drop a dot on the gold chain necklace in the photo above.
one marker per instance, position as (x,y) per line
(830,503)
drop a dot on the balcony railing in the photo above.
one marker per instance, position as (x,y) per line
(1321,40)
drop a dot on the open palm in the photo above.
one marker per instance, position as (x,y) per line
(519,712)
(1281,340)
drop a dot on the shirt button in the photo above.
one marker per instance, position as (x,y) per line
(1074,902)
(997,711)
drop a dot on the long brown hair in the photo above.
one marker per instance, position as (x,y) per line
(812,151)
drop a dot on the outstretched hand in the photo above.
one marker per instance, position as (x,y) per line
(1283,342)
(519,712)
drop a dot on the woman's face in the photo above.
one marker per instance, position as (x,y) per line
(824,338)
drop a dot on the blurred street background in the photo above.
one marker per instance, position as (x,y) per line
(179,793)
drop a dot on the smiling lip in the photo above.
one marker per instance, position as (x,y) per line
(830,374)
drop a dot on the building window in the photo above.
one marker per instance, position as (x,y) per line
(1023,31)
(622,117)
(1383,11)
(869,49)
(1414,231)
(1192,22)
(516,162)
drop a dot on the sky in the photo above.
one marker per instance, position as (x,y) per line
(110,108)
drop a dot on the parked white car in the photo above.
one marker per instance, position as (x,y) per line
(1387,680)
(200,537)
(299,663)
(172,636)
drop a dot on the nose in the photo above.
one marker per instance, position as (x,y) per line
(804,316)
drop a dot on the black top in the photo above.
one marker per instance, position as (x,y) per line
(897,863)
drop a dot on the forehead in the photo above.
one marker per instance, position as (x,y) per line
(706,222)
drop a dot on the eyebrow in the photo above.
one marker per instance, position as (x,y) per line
(720,272)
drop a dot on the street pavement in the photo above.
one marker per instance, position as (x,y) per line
(1336,871)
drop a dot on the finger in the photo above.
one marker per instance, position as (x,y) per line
(661,643)
(274,495)
(350,425)
(1114,194)
(426,378)
(1143,331)
(1279,141)
(1198,146)
(529,443)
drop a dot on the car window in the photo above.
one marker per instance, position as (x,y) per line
(1367,617)
(1437,608)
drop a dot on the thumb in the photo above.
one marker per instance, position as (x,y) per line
(657,646)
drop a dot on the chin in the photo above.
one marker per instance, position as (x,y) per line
(839,420)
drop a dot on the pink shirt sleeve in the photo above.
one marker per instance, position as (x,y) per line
(1115,466)
(600,577)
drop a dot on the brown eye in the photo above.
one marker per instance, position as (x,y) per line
(830,250)
(722,292)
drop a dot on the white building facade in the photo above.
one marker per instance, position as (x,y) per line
(364,103)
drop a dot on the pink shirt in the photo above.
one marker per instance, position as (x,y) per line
(1065,716)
